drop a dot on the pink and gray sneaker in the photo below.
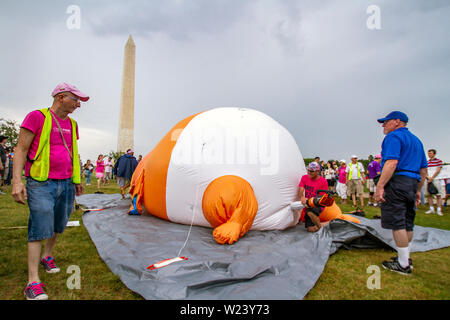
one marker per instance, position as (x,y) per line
(34,291)
(49,265)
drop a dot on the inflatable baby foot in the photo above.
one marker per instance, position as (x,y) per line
(334,212)
(230,206)
(229,232)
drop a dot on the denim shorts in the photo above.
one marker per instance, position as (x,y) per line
(50,203)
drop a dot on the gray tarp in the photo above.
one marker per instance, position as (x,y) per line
(261,265)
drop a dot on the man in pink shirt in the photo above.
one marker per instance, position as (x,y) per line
(47,149)
(309,184)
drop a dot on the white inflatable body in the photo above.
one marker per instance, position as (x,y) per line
(235,141)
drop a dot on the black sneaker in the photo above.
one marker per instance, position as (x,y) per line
(396,267)
(359,212)
(409,261)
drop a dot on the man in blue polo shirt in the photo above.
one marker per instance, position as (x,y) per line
(403,172)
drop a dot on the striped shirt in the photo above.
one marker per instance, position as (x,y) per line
(435,162)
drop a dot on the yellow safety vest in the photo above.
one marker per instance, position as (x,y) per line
(41,162)
(351,169)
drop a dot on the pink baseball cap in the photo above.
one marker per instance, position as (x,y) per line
(378,156)
(65,87)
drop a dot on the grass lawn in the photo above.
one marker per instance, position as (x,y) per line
(345,275)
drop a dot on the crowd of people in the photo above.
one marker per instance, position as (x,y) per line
(107,169)
(354,180)
(348,181)
(47,152)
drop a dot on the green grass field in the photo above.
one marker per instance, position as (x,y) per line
(345,275)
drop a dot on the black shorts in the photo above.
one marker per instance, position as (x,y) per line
(308,222)
(331,182)
(399,210)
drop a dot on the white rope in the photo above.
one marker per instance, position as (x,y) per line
(192,222)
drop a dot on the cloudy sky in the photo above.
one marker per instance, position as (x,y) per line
(314,66)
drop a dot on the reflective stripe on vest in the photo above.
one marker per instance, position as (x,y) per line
(351,169)
(41,162)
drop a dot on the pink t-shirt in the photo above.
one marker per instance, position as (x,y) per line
(311,187)
(342,174)
(100,166)
(60,162)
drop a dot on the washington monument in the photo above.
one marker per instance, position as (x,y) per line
(125,139)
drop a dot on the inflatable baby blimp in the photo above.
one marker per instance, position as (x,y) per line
(231,169)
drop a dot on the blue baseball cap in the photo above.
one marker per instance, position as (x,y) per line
(395,115)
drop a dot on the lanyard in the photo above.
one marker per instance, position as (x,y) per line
(62,135)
